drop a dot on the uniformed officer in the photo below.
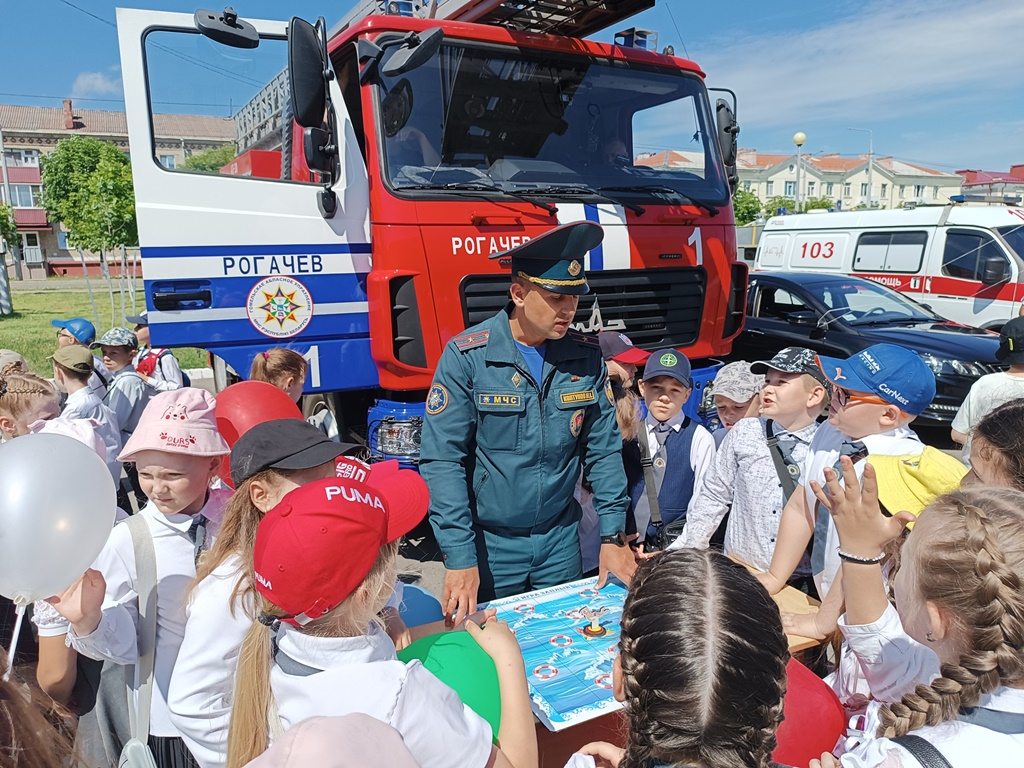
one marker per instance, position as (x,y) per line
(517,403)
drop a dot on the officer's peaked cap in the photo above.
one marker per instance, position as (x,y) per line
(554,260)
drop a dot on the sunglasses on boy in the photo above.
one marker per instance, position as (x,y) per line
(843,397)
(63,334)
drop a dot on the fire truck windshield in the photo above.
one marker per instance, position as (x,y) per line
(533,122)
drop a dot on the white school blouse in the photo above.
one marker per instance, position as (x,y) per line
(203,680)
(83,404)
(116,637)
(362,674)
(893,663)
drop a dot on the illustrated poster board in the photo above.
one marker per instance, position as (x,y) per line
(569,636)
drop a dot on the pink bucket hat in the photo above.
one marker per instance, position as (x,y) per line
(348,741)
(180,421)
(82,430)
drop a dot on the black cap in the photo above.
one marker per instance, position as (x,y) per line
(282,444)
(794,360)
(554,260)
(1011,342)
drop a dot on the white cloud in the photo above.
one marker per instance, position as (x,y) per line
(887,61)
(95,84)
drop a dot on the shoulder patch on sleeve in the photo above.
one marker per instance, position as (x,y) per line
(471,340)
(584,339)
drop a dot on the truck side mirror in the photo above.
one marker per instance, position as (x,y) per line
(417,50)
(307,73)
(994,270)
(728,131)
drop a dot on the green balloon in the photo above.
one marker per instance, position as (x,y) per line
(457,660)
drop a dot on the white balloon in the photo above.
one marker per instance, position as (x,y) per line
(57,507)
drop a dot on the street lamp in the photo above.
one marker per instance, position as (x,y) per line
(798,138)
(871,154)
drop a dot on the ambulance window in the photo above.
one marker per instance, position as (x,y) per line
(217,109)
(890,251)
(966,251)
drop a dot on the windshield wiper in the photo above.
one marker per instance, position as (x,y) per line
(665,190)
(583,189)
(479,186)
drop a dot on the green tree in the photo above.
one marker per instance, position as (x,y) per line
(8,229)
(819,202)
(87,186)
(771,207)
(746,205)
(210,161)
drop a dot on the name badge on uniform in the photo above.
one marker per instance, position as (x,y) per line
(586,396)
(512,401)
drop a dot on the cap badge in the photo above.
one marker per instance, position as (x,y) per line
(575,268)
(669,360)
(839,374)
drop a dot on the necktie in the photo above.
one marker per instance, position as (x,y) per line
(856,450)
(642,512)
(197,532)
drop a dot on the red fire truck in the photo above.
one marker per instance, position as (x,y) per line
(415,140)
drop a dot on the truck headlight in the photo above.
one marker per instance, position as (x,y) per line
(399,437)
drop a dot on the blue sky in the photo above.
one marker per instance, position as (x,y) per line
(937,81)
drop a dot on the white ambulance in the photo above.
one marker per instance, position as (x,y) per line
(966,263)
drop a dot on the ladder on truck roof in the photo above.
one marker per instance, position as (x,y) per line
(569,18)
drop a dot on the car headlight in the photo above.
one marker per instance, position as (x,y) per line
(943,367)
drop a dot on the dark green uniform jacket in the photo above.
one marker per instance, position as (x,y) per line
(502,451)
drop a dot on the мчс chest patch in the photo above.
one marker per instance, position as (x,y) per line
(512,401)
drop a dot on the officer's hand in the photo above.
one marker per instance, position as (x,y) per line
(617,560)
(459,598)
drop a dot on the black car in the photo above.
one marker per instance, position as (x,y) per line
(838,316)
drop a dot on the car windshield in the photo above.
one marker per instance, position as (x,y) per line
(1014,237)
(501,120)
(862,302)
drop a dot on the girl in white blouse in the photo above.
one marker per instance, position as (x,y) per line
(958,623)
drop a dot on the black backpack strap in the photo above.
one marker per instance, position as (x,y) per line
(993,720)
(785,479)
(923,751)
(649,484)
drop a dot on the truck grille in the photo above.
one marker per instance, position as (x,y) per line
(654,307)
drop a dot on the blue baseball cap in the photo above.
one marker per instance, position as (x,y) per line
(895,374)
(79,327)
(668,362)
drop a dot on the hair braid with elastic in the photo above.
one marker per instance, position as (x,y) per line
(703,659)
(19,390)
(972,565)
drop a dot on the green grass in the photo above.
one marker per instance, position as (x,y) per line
(28,330)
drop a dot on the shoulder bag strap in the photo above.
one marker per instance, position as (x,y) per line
(650,485)
(923,751)
(145,583)
(786,479)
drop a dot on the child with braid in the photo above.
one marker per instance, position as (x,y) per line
(701,667)
(956,635)
(25,398)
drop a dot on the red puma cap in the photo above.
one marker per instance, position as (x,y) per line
(319,543)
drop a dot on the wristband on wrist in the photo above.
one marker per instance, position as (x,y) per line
(861,560)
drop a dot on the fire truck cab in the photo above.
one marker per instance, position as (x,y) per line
(380,164)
